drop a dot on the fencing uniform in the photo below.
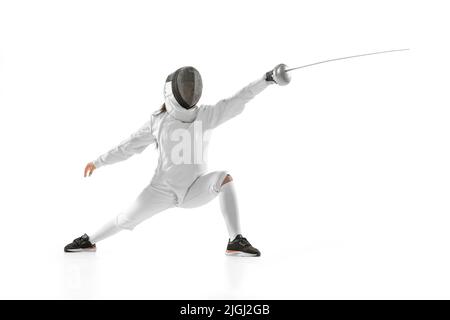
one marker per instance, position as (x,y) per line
(181,178)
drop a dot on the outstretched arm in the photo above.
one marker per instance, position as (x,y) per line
(136,143)
(214,115)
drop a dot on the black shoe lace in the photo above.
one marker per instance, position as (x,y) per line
(79,241)
(244,242)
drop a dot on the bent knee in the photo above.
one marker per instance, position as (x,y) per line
(227,179)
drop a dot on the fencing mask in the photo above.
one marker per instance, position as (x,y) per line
(182,92)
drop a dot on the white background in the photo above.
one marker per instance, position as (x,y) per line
(343,176)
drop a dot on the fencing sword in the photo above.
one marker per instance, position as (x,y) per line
(281,71)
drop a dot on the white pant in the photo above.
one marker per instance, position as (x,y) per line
(153,200)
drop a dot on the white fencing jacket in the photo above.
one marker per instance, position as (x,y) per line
(182,139)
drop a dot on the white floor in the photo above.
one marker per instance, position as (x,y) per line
(319,263)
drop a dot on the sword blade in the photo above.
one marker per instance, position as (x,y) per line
(343,58)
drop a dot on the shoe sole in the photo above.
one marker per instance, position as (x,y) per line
(81,250)
(234,253)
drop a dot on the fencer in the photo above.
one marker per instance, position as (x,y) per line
(181,130)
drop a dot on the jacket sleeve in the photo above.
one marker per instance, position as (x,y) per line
(214,115)
(136,143)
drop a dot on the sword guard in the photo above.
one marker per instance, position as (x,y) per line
(280,75)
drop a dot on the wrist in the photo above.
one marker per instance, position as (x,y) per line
(97,163)
(269,76)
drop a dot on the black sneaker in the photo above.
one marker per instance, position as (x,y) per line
(81,244)
(240,247)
